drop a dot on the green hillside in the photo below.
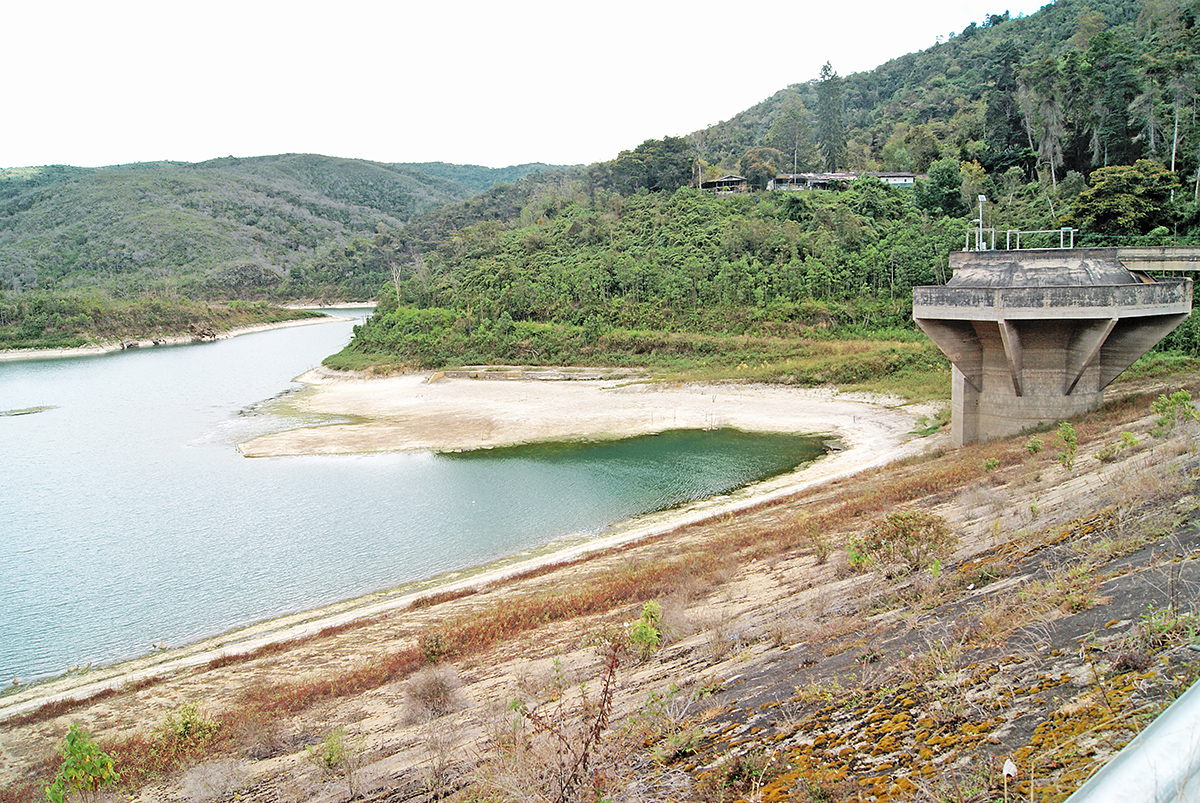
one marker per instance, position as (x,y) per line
(479,178)
(225,228)
(1082,115)
(1079,85)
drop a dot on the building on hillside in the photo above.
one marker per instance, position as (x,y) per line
(902,180)
(833,181)
(726,185)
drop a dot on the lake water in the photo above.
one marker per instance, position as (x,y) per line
(127,516)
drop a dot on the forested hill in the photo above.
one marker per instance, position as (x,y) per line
(1079,85)
(224,228)
(1083,115)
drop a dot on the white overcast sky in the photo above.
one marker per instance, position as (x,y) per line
(490,83)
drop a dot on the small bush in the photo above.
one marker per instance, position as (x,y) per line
(644,634)
(186,723)
(1172,410)
(912,539)
(859,557)
(84,770)
(434,647)
(1070,444)
(433,692)
(1034,445)
(991,464)
(338,754)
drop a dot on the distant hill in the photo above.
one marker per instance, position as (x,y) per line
(222,228)
(481,178)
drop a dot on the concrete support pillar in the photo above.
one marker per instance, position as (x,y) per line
(964,409)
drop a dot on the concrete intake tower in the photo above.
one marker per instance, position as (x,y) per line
(1035,336)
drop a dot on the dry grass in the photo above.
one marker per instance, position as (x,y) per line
(431,693)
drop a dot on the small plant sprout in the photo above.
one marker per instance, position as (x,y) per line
(644,633)
(1034,445)
(1172,410)
(84,770)
(1070,444)
(991,464)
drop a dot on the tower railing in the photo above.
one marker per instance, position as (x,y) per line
(986,239)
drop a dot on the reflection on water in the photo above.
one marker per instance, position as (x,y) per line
(128,517)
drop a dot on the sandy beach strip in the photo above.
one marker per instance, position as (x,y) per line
(142,343)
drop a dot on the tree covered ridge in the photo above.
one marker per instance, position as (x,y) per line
(659,278)
(1078,85)
(226,228)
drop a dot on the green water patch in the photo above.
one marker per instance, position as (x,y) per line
(673,467)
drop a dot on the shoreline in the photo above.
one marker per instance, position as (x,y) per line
(13,355)
(872,432)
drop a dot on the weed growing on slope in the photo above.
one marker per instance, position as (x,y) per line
(85,769)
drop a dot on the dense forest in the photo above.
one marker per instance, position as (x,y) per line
(1081,115)
(225,228)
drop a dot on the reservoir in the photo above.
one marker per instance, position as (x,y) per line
(128,517)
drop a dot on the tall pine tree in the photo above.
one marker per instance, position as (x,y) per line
(831,119)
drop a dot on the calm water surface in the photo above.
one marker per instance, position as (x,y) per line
(127,516)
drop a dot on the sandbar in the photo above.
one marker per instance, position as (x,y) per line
(440,412)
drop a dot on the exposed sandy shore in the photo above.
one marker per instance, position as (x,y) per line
(108,348)
(448,413)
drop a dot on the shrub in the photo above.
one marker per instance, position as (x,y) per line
(1172,410)
(85,768)
(910,538)
(1070,444)
(433,692)
(338,754)
(434,647)
(644,633)
(1034,445)
(186,723)
(860,559)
